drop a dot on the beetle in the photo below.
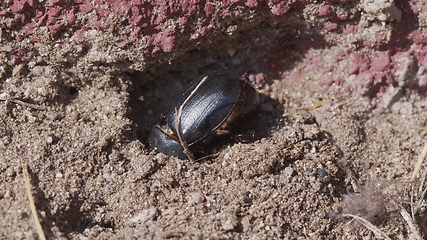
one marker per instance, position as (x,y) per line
(208,107)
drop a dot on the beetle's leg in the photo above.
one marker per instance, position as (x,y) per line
(222,131)
(167,132)
(178,113)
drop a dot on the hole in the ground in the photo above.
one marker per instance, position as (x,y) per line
(152,95)
(72,91)
(267,52)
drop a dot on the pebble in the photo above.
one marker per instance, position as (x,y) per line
(49,140)
(288,172)
(196,197)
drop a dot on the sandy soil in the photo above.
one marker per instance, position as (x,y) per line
(79,116)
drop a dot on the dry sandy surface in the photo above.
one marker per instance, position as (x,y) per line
(79,115)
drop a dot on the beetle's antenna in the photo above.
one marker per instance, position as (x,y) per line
(178,114)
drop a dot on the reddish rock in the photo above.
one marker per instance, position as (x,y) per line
(85,8)
(380,61)
(358,63)
(280,7)
(18,6)
(324,10)
(331,27)
(251,3)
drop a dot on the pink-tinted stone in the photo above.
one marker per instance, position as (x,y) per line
(327,81)
(209,9)
(379,38)
(342,17)
(71,18)
(280,8)
(55,28)
(331,27)
(251,3)
(80,34)
(380,61)
(85,8)
(17,6)
(324,10)
(356,62)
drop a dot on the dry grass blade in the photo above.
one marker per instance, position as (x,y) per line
(420,161)
(178,114)
(412,224)
(378,233)
(421,192)
(22,103)
(32,205)
(417,206)
(25,104)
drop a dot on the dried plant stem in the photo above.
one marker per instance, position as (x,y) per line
(178,114)
(208,156)
(420,161)
(415,207)
(32,205)
(412,224)
(22,103)
(25,104)
(378,233)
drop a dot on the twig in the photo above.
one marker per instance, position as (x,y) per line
(415,207)
(378,233)
(423,179)
(32,205)
(420,199)
(25,104)
(412,224)
(319,103)
(178,114)
(22,103)
(208,156)
(419,163)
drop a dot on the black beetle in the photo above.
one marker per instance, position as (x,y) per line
(208,107)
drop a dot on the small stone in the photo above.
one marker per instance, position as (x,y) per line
(288,172)
(324,10)
(8,194)
(196,198)
(144,215)
(229,224)
(49,140)
(7,48)
(42,91)
(231,51)
(247,198)
(380,62)
(331,27)
(246,222)
(323,175)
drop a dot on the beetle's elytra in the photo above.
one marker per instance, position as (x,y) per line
(208,111)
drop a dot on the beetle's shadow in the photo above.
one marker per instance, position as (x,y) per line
(255,125)
(150,95)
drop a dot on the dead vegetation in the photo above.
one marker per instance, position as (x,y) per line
(368,206)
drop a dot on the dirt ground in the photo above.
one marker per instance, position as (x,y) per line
(324,163)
